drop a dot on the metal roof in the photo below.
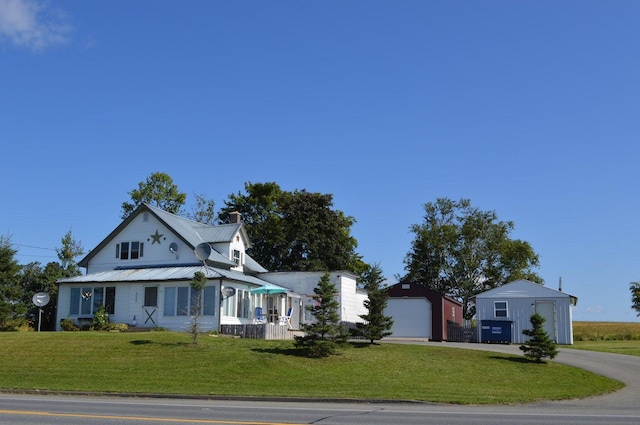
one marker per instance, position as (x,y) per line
(155,274)
(191,232)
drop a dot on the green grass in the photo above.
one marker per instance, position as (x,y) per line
(631,347)
(167,363)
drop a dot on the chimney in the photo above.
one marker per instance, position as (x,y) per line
(560,285)
(235,217)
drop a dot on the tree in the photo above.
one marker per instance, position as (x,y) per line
(158,190)
(203,211)
(325,334)
(376,325)
(36,279)
(296,230)
(12,310)
(539,344)
(462,251)
(634,287)
(67,255)
(198,284)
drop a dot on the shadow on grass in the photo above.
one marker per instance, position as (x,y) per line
(141,342)
(164,344)
(296,352)
(302,352)
(516,359)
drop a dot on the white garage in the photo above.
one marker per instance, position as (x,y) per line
(411,317)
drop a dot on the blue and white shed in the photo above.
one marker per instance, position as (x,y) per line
(515,302)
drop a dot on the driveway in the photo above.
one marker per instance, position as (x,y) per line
(621,367)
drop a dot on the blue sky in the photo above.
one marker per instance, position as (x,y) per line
(527,108)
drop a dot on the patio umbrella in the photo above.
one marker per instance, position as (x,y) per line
(269,289)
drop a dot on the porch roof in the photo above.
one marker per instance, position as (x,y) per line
(154,274)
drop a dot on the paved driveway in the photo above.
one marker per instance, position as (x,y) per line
(617,366)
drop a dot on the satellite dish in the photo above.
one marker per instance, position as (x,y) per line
(41,299)
(173,247)
(202,251)
(228,291)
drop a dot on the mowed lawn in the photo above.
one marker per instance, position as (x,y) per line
(167,363)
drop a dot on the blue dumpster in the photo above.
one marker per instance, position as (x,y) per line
(496,331)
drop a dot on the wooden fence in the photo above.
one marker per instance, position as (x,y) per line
(260,331)
(461,333)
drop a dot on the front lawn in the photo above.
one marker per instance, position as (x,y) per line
(167,363)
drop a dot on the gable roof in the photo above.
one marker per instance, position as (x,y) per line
(525,289)
(190,232)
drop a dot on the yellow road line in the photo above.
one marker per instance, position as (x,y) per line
(139,418)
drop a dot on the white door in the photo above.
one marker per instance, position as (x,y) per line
(411,317)
(547,309)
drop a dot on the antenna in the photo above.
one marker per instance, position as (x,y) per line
(202,251)
(40,299)
(173,247)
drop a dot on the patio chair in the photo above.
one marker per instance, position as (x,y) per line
(286,320)
(258,317)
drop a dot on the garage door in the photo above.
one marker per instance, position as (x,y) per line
(411,317)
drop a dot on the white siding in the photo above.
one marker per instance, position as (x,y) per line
(155,254)
(351,300)
(521,297)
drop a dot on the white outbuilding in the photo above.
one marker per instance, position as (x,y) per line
(504,312)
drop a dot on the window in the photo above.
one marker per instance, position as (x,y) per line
(181,301)
(88,300)
(237,257)
(500,309)
(129,250)
(151,296)
(244,303)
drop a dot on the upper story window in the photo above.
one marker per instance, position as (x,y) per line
(129,250)
(237,257)
(500,309)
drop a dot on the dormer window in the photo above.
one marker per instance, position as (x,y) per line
(129,250)
(237,257)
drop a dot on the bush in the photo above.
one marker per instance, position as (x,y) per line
(68,325)
(100,320)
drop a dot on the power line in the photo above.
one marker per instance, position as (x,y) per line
(31,246)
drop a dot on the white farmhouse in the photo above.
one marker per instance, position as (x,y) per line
(141,274)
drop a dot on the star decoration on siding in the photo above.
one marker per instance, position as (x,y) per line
(156,237)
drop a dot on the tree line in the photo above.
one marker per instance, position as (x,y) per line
(457,249)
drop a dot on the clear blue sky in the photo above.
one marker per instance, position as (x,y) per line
(528,108)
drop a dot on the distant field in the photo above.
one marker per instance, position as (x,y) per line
(610,337)
(606,331)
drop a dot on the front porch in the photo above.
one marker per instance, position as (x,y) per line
(261,331)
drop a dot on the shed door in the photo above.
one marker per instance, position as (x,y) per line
(547,309)
(411,317)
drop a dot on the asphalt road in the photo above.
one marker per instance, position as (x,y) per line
(620,408)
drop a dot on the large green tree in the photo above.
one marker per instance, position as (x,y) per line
(376,325)
(158,190)
(12,309)
(296,230)
(634,287)
(462,251)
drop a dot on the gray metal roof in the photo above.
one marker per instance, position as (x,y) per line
(191,232)
(156,274)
